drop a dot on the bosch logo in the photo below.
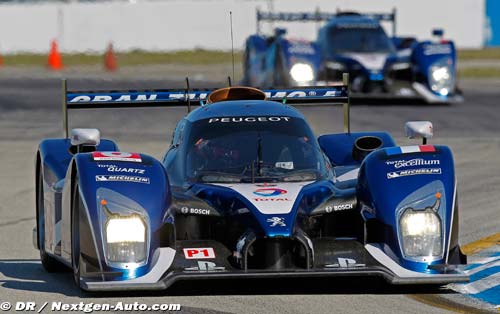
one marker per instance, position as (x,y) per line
(269,192)
(335,208)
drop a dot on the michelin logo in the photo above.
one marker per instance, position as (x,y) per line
(413,172)
(121,178)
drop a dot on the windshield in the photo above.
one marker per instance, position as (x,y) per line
(253,149)
(359,39)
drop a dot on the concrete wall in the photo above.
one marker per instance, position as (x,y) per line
(187,24)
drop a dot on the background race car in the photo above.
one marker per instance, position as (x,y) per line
(245,190)
(379,65)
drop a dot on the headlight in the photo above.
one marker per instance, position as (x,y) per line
(126,239)
(441,78)
(302,73)
(421,233)
(124,228)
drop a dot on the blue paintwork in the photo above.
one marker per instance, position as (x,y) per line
(384,195)
(155,207)
(312,194)
(55,154)
(243,108)
(338,147)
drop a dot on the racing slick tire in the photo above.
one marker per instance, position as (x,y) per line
(49,263)
(75,233)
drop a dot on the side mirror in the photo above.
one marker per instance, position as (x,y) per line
(278,31)
(438,32)
(419,129)
(87,137)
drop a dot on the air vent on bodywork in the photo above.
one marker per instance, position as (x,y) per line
(365,145)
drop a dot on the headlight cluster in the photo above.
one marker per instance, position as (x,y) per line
(441,77)
(302,73)
(124,227)
(421,232)
(125,239)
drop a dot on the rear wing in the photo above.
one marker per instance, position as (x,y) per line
(330,95)
(319,16)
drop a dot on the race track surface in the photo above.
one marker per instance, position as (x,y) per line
(30,111)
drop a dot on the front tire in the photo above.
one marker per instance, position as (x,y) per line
(49,263)
(75,234)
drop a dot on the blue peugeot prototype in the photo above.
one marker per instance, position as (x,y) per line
(379,65)
(245,190)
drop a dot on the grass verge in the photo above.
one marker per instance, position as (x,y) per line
(479,73)
(213,57)
(478,54)
(195,57)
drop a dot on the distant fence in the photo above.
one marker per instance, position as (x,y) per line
(186,24)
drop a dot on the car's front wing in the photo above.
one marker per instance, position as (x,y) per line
(331,258)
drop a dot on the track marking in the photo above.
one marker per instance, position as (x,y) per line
(468,249)
(481,244)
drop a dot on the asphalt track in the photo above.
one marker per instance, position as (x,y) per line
(30,111)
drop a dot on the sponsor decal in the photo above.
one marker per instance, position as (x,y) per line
(268,192)
(248,119)
(205,266)
(172,96)
(318,93)
(135,97)
(284,165)
(436,49)
(121,178)
(115,168)
(345,263)
(276,221)
(303,48)
(340,207)
(413,172)
(260,199)
(413,162)
(116,156)
(199,253)
(195,211)
(410,149)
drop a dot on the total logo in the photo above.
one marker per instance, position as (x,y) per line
(269,192)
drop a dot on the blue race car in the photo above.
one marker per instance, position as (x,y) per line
(245,190)
(379,65)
